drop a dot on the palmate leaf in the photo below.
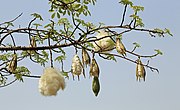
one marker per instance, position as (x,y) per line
(38,16)
(126,2)
(158,51)
(136,45)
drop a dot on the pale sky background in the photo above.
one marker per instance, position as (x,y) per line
(119,89)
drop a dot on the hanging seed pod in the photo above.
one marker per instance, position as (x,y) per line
(96,86)
(85,58)
(105,44)
(12,65)
(51,81)
(77,67)
(32,44)
(94,68)
(120,47)
(140,71)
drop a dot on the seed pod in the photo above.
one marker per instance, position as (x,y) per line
(120,47)
(85,58)
(32,44)
(94,68)
(12,65)
(105,44)
(77,67)
(51,81)
(96,86)
(140,71)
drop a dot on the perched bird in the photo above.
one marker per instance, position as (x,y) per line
(120,47)
(51,81)
(105,44)
(77,67)
(140,71)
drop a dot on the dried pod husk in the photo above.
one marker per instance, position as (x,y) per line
(105,44)
(140,71)
(32,44)
(96,86)
(85,58)
(12,65)
(120,47)
(51,81)
(77,67)
(94,68)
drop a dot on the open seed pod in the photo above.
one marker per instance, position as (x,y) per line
(51,81)
(120,47)
(85,58)
(140,71)
(77,67)
(12,65)
(105,44)
(94,68)
(95,86)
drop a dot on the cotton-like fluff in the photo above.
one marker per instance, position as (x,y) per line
(77,67)
(51,81)
(105,44)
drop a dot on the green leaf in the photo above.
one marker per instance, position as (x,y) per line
(137,8)
(19,77)
(111,57)
(158,51)
(126,2)
(167,31)
(136,44)
(65,74)
(58,15)
(53,15)
(38,16)
(60,58)
(159,32)
(37,25)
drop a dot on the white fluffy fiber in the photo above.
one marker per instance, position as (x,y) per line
(105,43)
(51,81)
(76,65)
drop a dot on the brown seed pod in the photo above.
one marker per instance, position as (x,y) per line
(85,58)
(96,86)
(140,71)
(94,68)
(120,47)
(77,67)
(12,65)
(32,44)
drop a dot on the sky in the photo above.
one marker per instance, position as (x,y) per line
(119,88)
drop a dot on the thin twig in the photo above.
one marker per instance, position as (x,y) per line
(12,19)
(124,14)
(8,83)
